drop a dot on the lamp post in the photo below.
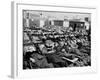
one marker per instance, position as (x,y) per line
(41,20)
(27,19)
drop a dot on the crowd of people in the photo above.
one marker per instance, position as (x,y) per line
(56,46)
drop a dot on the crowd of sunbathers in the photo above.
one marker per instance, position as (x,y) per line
(53,48)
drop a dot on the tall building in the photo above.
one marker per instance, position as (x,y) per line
(66,23)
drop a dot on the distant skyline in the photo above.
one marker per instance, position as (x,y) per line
(59,15)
